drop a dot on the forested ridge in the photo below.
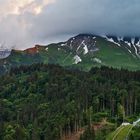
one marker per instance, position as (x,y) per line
(49,102)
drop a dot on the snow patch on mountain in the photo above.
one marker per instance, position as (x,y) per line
(136,51)
(129,51)
(133,43)
(85,49)
(138,44)
(129,44)
(63,44)
(47,49)
(120,39)
(80,46)
(112,41)
(97,60)
(77,59)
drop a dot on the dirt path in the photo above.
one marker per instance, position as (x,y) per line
(74,136)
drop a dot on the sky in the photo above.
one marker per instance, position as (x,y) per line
(24,23)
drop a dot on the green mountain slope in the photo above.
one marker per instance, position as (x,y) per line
(83,52)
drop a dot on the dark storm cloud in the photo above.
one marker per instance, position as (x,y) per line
(65,18)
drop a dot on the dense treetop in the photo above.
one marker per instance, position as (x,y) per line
(48,102)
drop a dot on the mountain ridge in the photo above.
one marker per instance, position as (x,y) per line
(114,39)
(82,51)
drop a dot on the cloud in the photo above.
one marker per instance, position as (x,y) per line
(17,22)
(27,22)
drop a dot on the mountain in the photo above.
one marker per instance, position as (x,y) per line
(82,51)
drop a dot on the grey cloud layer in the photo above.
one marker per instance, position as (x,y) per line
(65,18)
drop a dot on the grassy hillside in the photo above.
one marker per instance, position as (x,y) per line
(115,56)
(121,133)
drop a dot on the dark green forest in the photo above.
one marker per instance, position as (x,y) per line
(49,102)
